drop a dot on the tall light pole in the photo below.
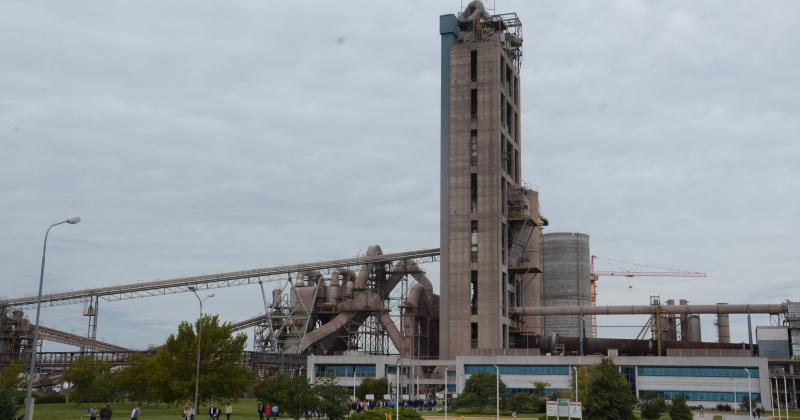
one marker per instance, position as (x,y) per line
(749,395)
(575,368)
(397,390)
(29,395)
(354,384)
(497,391)
(778,397)
(446,369)
(786,395)
(734,394)
(197,371)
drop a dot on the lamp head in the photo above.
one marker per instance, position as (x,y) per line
(210,296)
(74,220)
(192,288)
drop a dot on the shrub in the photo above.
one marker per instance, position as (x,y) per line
(679,410)
(378,414)
(724,407)
(8,406)
(50,398)
(717,417)
(467,410)
(652,409)
(525,403)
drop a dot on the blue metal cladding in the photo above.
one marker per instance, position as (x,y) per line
(698,372)
(519,369)
(700,395)
(361,371)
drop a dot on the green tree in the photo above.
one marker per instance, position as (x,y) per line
(139,380)
(222,376)
(526,403)
(332,399)
(609,395)
(91,380)
(539,387)
(653,409)
(678,410)
(294,395)
(374,386)
(744,404)
(8,406)
(13,376)
(480,392)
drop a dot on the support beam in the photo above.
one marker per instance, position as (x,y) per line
(772,309)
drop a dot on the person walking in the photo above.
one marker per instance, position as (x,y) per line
(106,412)
(92,413)
(213,412)
(228,411)
(135,412)
(262,410)
(702,410)
(275,411)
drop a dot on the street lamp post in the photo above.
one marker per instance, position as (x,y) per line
(734,394)
(446,369)
(786,396)
(29,395)
(497,391)
(199,336)
(749,394)
(397,390)
(575,368)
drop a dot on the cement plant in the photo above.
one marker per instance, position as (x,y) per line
(511,293)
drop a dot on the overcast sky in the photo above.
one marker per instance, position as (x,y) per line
(199,137)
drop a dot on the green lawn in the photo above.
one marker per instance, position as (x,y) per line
(244,409)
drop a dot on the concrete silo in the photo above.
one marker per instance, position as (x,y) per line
(566,265)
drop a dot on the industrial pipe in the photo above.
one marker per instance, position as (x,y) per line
(772,309)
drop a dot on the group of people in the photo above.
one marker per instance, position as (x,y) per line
(418,404)
(268,410)
(213,412)
(106,412)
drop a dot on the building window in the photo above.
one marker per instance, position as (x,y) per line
(473,193)
(505,336)
(699,395)
(502,69)
(509,116)
(473,65)
(509,77)
(473,281)
(516,127)
(503,244)
(473,249)
(516,166)
(474,335)
(473,147)
(508,156)
(502,109)
(504,294)
(503,196)
(516,91)
(715,372)
(360,371)
(530,370)
(473,104)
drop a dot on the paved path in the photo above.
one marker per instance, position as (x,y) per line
(725,416)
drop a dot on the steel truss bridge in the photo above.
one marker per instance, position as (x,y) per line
(91,298)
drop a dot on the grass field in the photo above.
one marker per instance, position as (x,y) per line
(243,409)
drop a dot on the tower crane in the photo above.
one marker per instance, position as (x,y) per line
(594,277)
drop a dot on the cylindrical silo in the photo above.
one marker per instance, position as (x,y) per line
(671,332)
(566,266)
(724,327)
(684,322)
(694,333)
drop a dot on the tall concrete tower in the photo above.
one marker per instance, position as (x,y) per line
(490,222)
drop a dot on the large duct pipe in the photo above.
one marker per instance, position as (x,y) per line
(695,332)
(772,309)
(363,274)
(723,326)
(684,322)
